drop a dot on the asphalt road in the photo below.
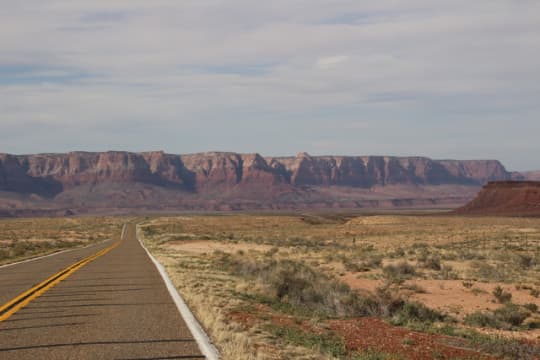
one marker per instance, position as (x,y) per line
(115,307)
(14,279)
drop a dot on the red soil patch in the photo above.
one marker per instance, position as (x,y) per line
(372,334)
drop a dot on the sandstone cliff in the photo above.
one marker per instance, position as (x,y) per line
(49,173)
(231,180)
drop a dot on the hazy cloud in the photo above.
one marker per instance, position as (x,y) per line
(441,79)
(331,61)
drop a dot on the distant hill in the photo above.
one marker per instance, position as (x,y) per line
(531,175)
(505,198)
(82,182)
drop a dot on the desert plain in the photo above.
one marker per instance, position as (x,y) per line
(391,286)
(326,285)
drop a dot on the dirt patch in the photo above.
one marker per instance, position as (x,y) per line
(372,334)
(360,283)
(450,295)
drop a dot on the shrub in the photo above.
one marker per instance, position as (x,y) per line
(503,347)
(488,272)
(448,273)
(532,307)
(414,288)
(507,317)
(481,319)
(372,262)
(511,314)
(525,261)
(4,254)
(292,286)
(274,250)
(502,296)
(399,272)
(327,343)
(387,302)
(415,312)
(432,262)
(296,287)
(398,253)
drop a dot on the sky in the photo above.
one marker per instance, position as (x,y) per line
(443,79)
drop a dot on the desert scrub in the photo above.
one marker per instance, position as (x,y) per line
(292,285)
(327,343)
(499,346)
(487,272)
(431,262)
(508,317)
(501,295)
(416,315)
(399,272)
(363,264)
(376,355)
(30,237)
(470,249)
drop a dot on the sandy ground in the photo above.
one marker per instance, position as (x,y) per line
(446,295)
(207,246)
(450,296)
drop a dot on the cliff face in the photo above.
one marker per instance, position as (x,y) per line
(367,171)
(50,174)
(506,198)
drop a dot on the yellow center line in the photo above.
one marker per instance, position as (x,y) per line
(20,301)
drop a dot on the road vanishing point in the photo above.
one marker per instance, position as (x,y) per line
(105,301)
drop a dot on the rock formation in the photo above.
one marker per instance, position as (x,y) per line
(505,198)
(230,180)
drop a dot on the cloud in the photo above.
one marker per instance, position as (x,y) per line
(240,74)
(331,62)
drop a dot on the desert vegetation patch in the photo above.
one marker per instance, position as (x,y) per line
(358,287)
(29,237)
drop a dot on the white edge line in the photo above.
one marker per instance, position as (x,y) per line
(202,339)
(52,254)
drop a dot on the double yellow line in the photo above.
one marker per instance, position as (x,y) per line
(17,303)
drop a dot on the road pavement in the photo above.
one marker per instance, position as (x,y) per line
(115,307)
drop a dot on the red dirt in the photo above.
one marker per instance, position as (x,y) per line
(363,334)
(373,334)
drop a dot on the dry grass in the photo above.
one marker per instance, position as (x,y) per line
(394,261)
(24,238)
